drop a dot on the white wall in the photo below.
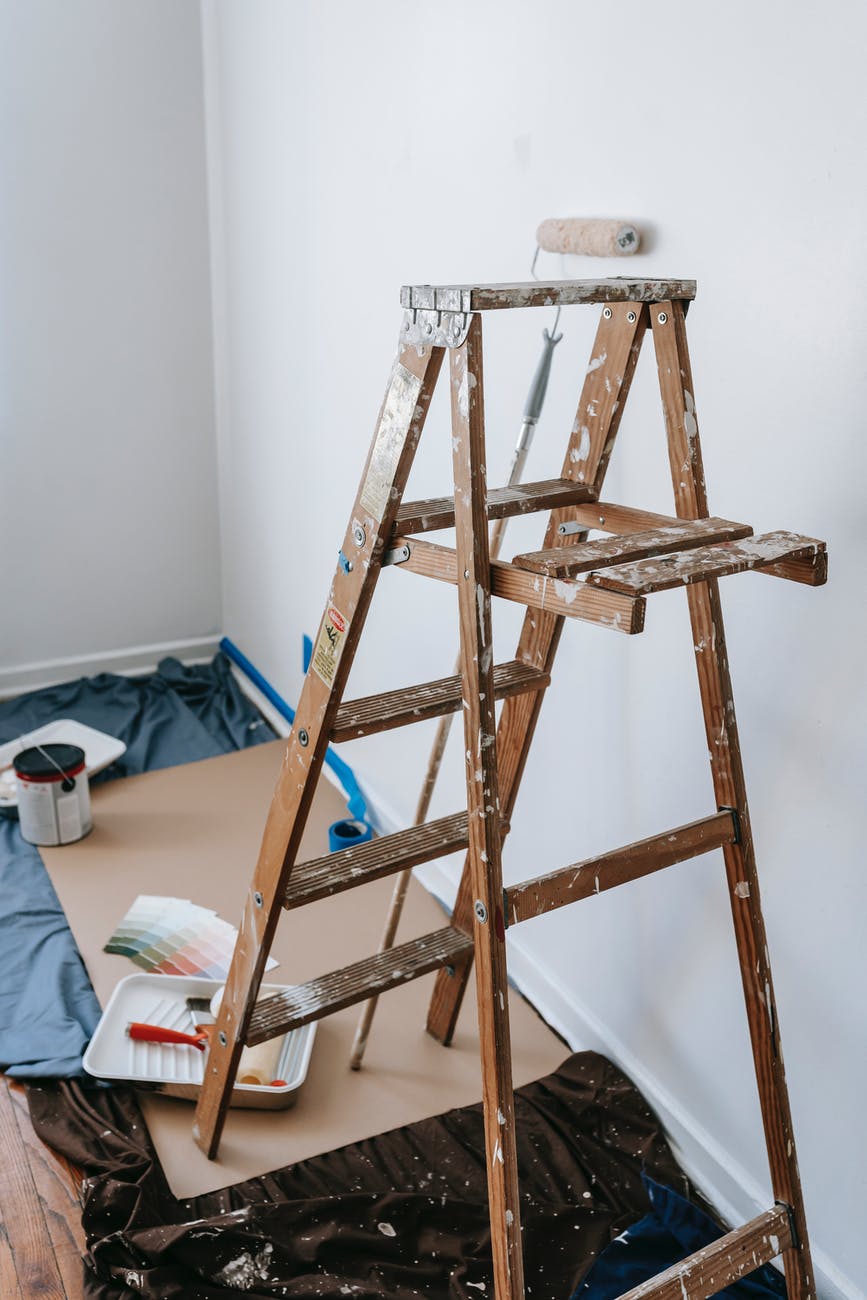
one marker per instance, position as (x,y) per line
(354,148)
(108,492)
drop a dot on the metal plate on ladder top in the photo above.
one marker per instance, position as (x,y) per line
(394,423)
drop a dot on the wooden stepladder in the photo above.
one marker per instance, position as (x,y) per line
(604,581)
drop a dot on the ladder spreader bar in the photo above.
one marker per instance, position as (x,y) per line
(584,879)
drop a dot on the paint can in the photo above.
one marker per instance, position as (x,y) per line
(53,794)
(348,834)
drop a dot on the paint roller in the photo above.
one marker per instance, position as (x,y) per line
(589,237)
(257,1065)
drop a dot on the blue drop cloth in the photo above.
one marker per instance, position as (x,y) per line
(673,1229)
(48,1010)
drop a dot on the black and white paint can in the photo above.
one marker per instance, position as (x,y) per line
(53,794)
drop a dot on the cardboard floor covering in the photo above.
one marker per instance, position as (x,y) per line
(194,832)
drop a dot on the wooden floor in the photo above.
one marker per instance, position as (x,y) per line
(41,1238)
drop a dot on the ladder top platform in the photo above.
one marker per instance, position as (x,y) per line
(541,293)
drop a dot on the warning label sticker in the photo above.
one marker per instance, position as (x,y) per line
(329,646)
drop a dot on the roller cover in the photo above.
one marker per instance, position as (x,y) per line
(259,1064)
(588,237)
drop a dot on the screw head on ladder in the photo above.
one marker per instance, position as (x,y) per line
(303,738)
(481,911)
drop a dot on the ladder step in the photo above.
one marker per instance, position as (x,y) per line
(341,988)
(374,713)
(584,879)
(779,550)
(519,499)
(335,872)
(717,1266)
(567,561)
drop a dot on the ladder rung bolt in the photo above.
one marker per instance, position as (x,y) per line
(607,313)
(481,911)
(662,317)
(359,536)
(630,316)
(258,899)
(303,738)
(224,1042)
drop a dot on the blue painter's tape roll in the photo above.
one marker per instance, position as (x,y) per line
(347,834)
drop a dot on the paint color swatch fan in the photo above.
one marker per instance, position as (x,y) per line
(174,936)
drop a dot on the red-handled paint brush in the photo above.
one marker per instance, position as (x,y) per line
(157,1034)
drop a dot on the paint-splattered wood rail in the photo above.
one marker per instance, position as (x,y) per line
(341,988)
(717,1266)
(567,561)
(793,556)
(434,513)
(335,872)
(594,875)
(553,595)
(542,293)
(372,713)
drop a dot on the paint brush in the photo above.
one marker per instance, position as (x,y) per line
(200,1013)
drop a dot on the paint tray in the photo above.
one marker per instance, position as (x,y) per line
(177,1071)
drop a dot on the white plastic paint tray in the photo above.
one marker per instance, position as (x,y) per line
(100,750)
(178,1071)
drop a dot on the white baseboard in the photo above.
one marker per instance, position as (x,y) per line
(132,660)
(729,1187)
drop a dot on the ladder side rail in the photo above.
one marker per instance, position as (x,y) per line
(480,726)
(708,634)
(389,460)
(603,396)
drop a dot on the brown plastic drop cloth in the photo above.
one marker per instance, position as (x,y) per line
(400,1216)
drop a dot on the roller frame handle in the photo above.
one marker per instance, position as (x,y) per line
(539,385)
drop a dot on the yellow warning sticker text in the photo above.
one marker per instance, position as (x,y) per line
(329,646)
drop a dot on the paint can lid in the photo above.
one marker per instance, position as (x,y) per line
(49,762)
